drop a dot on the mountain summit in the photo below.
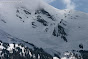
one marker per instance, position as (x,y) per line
(60,33)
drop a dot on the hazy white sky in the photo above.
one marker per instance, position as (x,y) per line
(49,1)
(69,4)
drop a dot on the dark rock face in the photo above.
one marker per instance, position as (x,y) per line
(27,12)
(19,16)
(3,21)
(80,54)
(44,12)
(42,21)
(74,54)
(81,46)
(24,11)
(84,54)
(34,25)
(59,31)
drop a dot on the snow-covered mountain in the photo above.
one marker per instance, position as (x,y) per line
(63,32)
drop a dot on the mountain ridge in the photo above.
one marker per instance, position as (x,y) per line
(45,26)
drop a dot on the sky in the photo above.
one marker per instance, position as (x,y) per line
(80,5)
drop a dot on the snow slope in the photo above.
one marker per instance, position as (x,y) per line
(45,26)
(14,48)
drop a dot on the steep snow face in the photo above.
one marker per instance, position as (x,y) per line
(45,26)
(21,21)
(12,47)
